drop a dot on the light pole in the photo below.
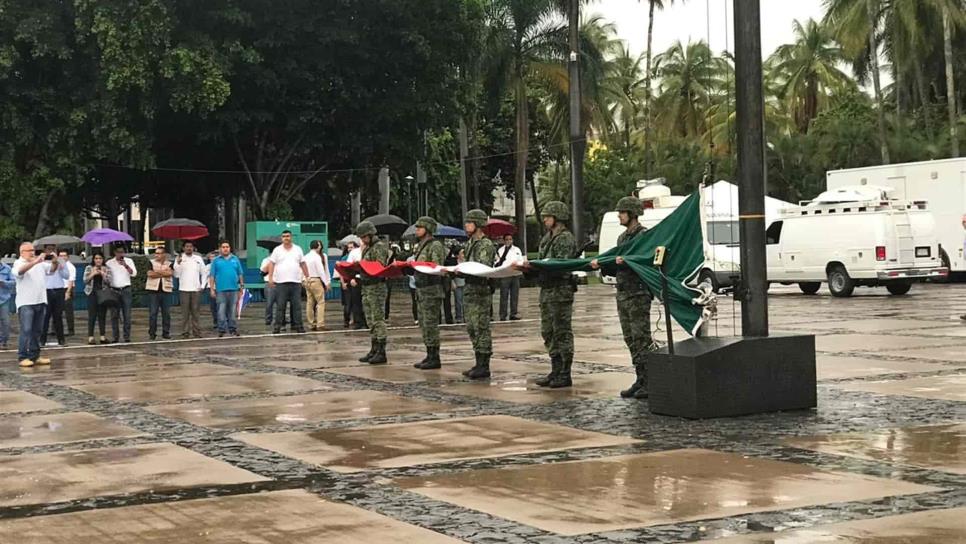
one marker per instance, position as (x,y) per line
(578,143)
(409,201)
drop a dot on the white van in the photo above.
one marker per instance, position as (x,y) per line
(941,183)
(854,236)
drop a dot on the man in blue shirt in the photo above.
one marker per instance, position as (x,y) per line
(7,285)
(226,281)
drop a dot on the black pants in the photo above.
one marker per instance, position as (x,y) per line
(412,295)
(357,313)
(55,313)
(447,300)
(291,294)
(69,315)
(96,314)
(159,301)
(122,311)
(509,293)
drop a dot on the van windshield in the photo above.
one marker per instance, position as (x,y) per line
(723,233)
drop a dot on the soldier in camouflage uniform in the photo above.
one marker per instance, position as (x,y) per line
(477,296)
(374,292)
(429,290)
(633,300)
(557,296)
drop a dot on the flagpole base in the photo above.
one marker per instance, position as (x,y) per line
(726,377)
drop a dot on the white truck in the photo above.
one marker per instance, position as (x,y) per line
(941,183)
(854,236)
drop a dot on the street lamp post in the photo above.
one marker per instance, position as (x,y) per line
(578,143)
(409,200)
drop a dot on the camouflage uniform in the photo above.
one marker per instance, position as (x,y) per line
(634,309)
(477,296)
(557,299)
(429,293)
(374,293)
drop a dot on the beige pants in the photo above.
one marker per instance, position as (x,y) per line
(315,303)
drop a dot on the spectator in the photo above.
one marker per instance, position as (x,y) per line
(122,270)
(412,295)
(64,256)
(355,290)
(31,276)
(7,284)
(96,278)
(56,298)
(509,287)
(449,285)
(159,286)
(190,270)
(286,264)
(269,292)
(212,301)
(227,279)
(317,283)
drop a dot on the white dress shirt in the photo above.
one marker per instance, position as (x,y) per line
(59,279)
(355,255)
(71,272)
(190,273)
(120,277)
(288,264)
(513,254)
(264,268)
(318,266)
(32,286)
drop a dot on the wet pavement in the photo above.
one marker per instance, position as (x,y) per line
(289,439)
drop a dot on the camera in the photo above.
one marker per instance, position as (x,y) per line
(49,257)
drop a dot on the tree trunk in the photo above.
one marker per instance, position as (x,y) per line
(42,216)
(647,92)
(880,113)
(950,81)
(523,151)
(923,99)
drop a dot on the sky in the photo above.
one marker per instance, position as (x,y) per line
(689,20)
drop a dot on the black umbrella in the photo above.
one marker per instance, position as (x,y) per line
(270,243)
(388,224)
(58,240)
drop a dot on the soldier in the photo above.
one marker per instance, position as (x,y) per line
(429,290)
(374,292)
(477,297)
(556,296)
(633,300)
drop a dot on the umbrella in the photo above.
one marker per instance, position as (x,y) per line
(180,229)
(387,224)
(99,237)
(350,238)
(58,240)
(269,243)
(495,228)
(442,231)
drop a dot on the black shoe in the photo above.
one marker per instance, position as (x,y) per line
(379,357)
(514,318)
(482,369)
(152,337)
(127,340)
(372,350)
(554,369)
(221,334)
(631,391)
(300,331)
(563,376)
(166,336)
(235,333)
(276,331)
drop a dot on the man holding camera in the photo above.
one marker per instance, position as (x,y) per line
(56,285)
(122,270)
(31,272)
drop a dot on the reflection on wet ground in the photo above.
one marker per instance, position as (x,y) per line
(290,439)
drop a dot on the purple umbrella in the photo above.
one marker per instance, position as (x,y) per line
(99,237)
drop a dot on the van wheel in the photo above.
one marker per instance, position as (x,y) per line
(709,275)
(840,284)
(809,287)
(899,288)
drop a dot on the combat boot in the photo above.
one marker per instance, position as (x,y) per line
(554,370)
(563,376)
(379,357)
(372,350)
(482,368)
(475,366)
(432,360)
(641,392)
(425,360)
(631,391)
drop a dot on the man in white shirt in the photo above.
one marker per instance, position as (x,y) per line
(286,268)
(122,270)
(189,268)
(31,274)
(56,285)
(317,283)
(509,287)
(64,256)
(269,292)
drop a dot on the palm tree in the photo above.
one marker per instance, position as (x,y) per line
(652,5)
(689,82)
(624,88)
(952,13)
(808,71)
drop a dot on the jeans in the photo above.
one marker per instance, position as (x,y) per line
(269,305)
(190,310)
(227,302)
(447,300)
(509,292)
(458,301)
(69,314)
(159,300)
(124,309)
(290,294)
(4,323)
(31,325)
(412,295)
(213,306)
(96,315)
(55,314)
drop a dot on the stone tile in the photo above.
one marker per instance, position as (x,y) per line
(874,326)
(25,431)
(631,491)
(869,342)
(341,359)
(958,331)
(405,373)
(616,357)
(833,367)
(279,517)
(141,373)
(61,366)
(523,390)
(931,527)
(64,476)
(939,447)
(12,402)
(935,387)
(949,354)
(200,387)
(314,407)
(427,442)
(535,346)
